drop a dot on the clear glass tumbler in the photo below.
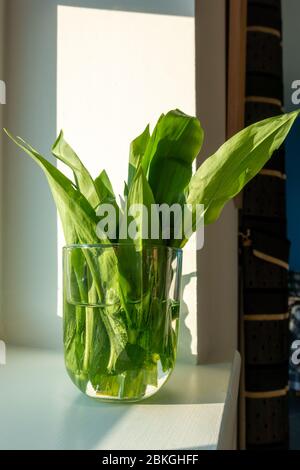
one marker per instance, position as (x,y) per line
(121,318)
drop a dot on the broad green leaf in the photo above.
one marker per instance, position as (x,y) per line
(107,196)
(170,153)
(63,151)
(109,316)
(134,279)
(137,151)
(99,349)
(79,223)
(73,335)
(140,193)
(126,190)
(104,188)
(223,175)
(78,217)
(151,147)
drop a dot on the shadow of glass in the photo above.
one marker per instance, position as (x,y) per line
(86,422)
(185,354)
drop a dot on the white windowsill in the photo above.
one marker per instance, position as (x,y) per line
(41,409)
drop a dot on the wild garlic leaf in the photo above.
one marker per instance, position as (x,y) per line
(103,267)
(137,151)
(104,188)
(79,223)
(151,147)
(125,192)
(107,196)
(133,277)
(64,152)
(140,193)
(117,333)
(78,217)
(171,151)
(224,174)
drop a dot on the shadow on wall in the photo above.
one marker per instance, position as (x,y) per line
(163,7)
(185,353)
(29,215)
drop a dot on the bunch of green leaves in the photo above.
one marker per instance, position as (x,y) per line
(160,172)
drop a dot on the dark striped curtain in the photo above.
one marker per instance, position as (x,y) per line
(264,248)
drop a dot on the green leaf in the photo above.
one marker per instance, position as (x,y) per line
(104,188)
(133,277)
(151,147)
(140,193)
(107,196)
(130,261)
(100,266)
(78,217)
(79,223)
(126,190)
(62,150)
(100,347)
(168,160)
(223,175)
(137,151)
(74,337)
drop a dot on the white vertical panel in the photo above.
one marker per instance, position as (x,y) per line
(2,24)
(218,261)
(116,72)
